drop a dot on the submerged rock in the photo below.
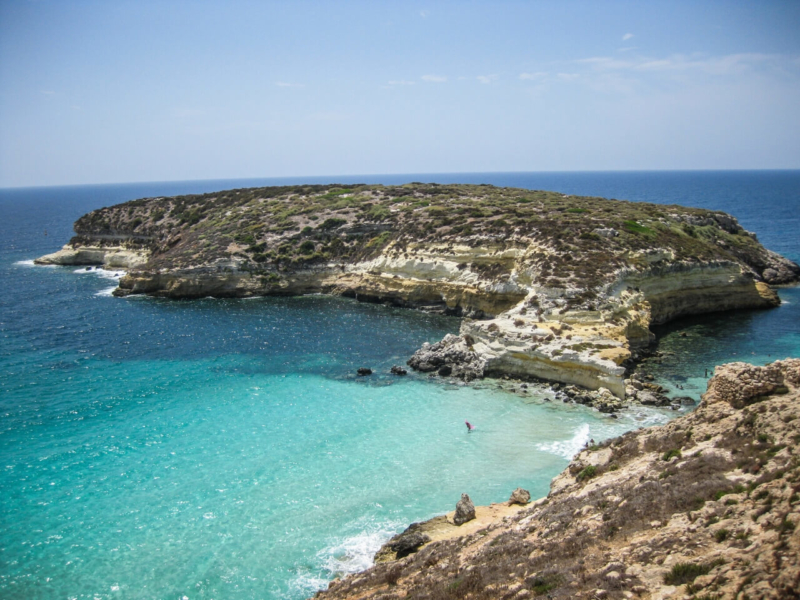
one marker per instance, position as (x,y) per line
(398,370)
(363,371)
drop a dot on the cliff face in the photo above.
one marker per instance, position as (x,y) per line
(563,287)
(707,506)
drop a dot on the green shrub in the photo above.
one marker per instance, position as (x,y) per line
(669,454)
(634,227)
(541,584)
(587,473)
(687,572)
(307,247)
(331,223)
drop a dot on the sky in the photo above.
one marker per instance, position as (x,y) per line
(129,91)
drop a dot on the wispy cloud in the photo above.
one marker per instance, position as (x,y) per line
(434,78)
(486,79)
(712,65)
(626,37)
(286,84)
(568,76)
(537,76)
(48,92)
(401,82)
(424,13)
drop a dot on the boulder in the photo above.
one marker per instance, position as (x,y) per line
(465,510)
(363,371)
(520,496)
(652,399)
(406,542)
(607,232)
(398,370)
(453,353)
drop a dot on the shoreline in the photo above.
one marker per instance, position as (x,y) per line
(610,488)
(520,384)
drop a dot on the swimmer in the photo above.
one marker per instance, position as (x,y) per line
(470,426)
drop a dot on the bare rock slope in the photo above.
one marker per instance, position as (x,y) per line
(705,507)
(557,287)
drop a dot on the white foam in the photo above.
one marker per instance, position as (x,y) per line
(305,585)
(107,292)
(30,263)
(567,448)
(351,554)
(355,553)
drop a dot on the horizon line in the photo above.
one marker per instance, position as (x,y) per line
(254,178)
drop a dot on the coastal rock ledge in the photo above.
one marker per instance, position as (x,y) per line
(707,506)
(555,287)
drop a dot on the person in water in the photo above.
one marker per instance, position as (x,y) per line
(470,426)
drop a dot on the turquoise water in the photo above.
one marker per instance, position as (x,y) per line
(226,449)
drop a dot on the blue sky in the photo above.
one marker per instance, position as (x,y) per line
(97,92)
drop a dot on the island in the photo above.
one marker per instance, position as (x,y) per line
(551,286)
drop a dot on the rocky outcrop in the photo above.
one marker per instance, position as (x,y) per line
(555,287)
(109,257)
(520,496)
(707,506)
(465,510)
(453,356)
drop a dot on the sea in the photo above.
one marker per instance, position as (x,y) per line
(226,449)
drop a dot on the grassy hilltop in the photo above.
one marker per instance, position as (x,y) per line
(579,241)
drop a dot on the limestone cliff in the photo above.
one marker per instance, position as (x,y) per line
(558,287)
(707,506)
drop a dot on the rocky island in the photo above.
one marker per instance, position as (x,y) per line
(556,287)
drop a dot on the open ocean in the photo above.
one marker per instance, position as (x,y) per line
(225,449)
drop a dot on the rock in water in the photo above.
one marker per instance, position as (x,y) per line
(397,370)
(364,371)
(450,357)
(520,496)
(465,510)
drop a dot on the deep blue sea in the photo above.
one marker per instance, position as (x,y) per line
(225,449)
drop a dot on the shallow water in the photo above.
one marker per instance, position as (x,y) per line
(226,449)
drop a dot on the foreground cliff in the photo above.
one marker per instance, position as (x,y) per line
(558,287)
(705,507)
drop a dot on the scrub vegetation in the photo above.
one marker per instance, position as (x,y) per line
(579,240)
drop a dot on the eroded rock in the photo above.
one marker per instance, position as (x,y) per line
(520,496)
(465,510)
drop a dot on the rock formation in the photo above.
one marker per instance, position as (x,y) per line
(465,510)
(520,496)
(707,506)
(562,288)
